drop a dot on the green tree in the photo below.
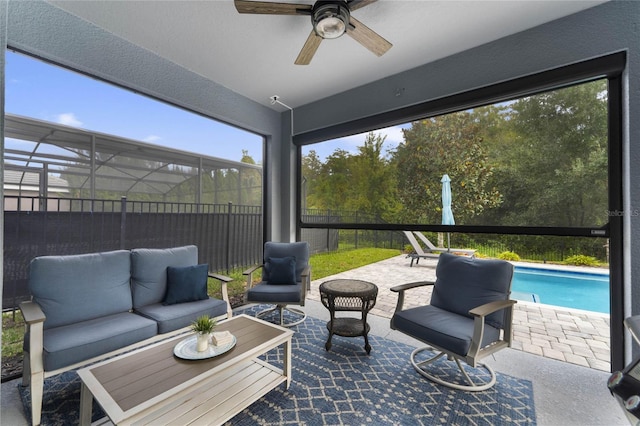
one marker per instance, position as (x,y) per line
(449,144)
(311,175)
(332,189)
(554,169)
(373,185)
(362,182)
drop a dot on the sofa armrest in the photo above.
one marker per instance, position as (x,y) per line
(224,280)
(32,313)
(33,362)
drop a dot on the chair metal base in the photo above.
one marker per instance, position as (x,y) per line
(472,387)
(281,309)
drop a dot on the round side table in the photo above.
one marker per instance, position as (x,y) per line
(348,295)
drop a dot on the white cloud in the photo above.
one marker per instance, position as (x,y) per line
(68,119)
(394,134)
(152,138)
(394,137)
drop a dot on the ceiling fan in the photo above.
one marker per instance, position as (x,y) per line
(330,19)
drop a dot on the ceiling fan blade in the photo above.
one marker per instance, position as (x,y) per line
(357,4)
(367,37)
(309,49)
(269,8)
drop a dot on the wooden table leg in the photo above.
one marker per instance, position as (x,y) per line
(86,405)
(287,361)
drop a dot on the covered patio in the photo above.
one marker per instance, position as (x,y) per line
(198,62)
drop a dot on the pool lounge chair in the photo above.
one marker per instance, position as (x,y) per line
(418,251)
(431,247)
(431,251)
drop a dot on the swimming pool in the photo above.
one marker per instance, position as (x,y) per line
(570,289)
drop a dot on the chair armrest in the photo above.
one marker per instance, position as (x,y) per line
(479,314)
(491,307)
(252,269)
(400,289)
(249,274)
(306,272)
(306,280)
(408,286)
(224,280)
(32,313)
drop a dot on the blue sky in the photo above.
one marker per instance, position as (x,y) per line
(46,92)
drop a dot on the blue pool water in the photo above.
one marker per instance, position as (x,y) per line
(578,290)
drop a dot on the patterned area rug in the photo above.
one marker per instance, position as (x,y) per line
(344,386)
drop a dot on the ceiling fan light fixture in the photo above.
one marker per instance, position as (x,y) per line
(330,19)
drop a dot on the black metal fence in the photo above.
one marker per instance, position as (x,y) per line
(530,247)
(326,240)
(227,236)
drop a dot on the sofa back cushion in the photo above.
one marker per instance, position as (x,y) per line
(149,271)
(81,287)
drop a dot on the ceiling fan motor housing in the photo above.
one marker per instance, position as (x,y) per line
(330,18)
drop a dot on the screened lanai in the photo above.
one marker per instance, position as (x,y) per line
(71,191)
(68,162)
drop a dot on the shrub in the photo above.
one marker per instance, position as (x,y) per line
(408,249)
(581,260)
(509,255)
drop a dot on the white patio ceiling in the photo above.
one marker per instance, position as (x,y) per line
(254,55)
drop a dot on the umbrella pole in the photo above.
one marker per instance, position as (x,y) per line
(448,242)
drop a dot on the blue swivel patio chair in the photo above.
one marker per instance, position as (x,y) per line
(469,317)
(286,278)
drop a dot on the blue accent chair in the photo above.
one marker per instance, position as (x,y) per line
(469,317)
(285,280)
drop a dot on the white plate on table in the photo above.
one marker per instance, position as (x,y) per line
(186,349)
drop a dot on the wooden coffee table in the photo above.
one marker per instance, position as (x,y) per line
(152,386)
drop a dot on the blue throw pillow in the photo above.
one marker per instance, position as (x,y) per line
(186,284)
(281,270)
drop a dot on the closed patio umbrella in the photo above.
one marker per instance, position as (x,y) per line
(447,214)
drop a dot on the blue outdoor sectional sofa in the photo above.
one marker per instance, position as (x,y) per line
(89,306)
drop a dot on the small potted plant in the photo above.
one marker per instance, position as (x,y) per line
(203,327)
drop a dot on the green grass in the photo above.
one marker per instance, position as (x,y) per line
(12,333)
(325,264)
(322,265)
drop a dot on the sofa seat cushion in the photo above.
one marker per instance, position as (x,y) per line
(446,330)
(274,293)
(77,342)
(173,317)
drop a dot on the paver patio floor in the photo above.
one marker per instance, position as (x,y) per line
(570,335)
